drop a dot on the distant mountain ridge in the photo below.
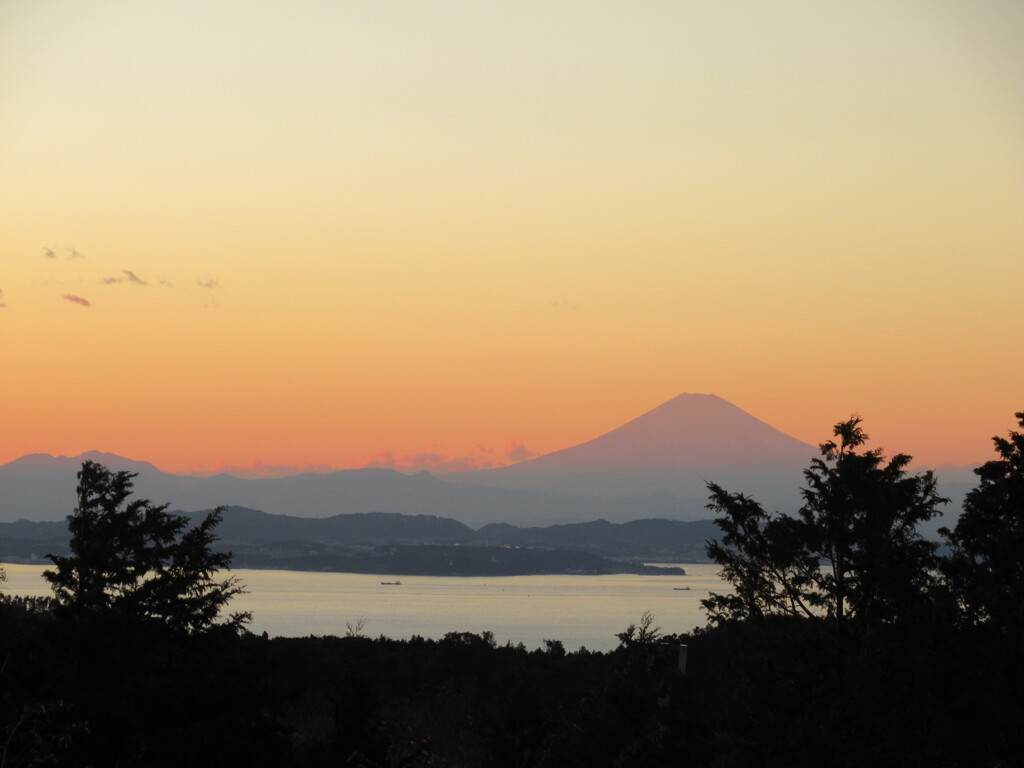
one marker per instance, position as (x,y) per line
(654,466)
(349,542)
(45,490)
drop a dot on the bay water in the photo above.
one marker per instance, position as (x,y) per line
(576,610)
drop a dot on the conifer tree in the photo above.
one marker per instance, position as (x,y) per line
(853,551)
(137,559)
(986,567)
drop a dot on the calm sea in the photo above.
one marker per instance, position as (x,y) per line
(578,610)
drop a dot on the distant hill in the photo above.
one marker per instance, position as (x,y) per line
(391,543)
(653,540)
(250,529)
(251,526)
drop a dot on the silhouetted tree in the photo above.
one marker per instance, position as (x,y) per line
(986,567)
(138,559)
(643,635)
(852,552)
(763,557)
(861,515)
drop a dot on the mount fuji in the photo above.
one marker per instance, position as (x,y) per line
(673,449)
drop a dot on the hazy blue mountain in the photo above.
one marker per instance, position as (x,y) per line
(43,488)
(39,486)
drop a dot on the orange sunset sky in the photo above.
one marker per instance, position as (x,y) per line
(326,234)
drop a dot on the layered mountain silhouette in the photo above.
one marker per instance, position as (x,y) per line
(43,489)
(654,466)
(389,543)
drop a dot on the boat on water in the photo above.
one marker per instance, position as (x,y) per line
(681,589)
(391,583)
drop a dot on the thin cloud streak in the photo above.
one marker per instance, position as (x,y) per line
(127,277)
(76,299)
(133,278)
(434,462)
(438,461)
(518,452)
(430,462)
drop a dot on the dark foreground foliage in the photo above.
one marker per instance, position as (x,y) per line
(847,642)
(785,692)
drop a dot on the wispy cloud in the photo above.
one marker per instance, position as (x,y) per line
(76,299)
(208,283)
(73,253)
(436,462)
(133,278)
(168,283)
(518,452)
(127,276)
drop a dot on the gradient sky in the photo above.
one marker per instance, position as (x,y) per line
(327,234)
